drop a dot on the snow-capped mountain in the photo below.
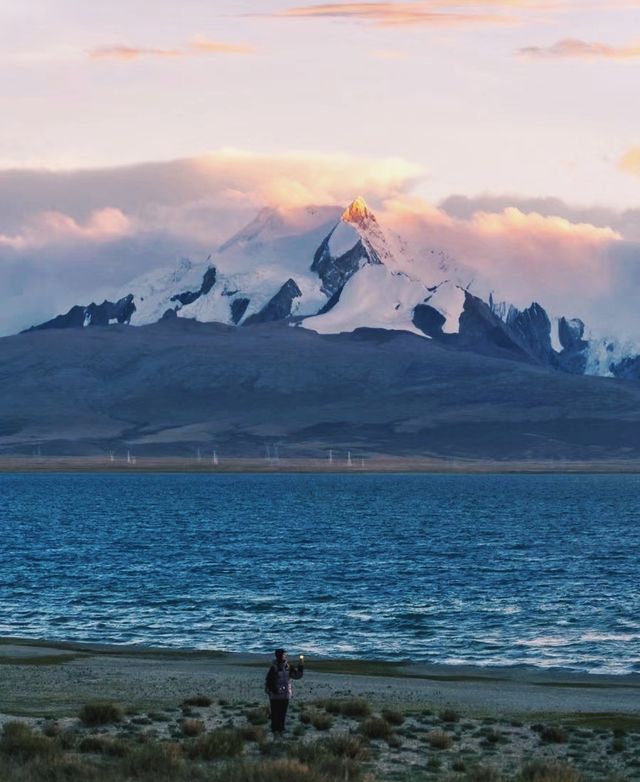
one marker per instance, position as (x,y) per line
(331,272)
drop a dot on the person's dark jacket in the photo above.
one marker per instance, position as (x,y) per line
(278,681)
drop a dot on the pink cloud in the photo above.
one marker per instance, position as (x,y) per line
(50,227)
(424,12)
(524,255)
(391,14)
(198,46)
(576,49)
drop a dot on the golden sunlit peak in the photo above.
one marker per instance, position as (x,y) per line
(357,212)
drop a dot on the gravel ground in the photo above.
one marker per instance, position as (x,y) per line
(56,679)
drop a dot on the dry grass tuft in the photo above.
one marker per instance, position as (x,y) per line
(548,771)
(348,707)
(221,743)
(192,728)
(321,721)
(375,728)
(283,770)
(104,745)
(20,741)
(345,745)
(257,716)
(393,716)
(159,761)
(198,700)
(483,774)
(438,739)
(553,734)
(253,733)
(100,713)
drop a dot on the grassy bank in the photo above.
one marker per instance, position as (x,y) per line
(183,715)
(214,740)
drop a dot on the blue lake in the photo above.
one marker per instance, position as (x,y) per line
(490,570)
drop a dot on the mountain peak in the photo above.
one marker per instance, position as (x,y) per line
(357,212)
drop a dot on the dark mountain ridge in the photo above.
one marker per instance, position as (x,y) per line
(179,385)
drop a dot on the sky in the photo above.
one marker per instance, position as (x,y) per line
(156,127)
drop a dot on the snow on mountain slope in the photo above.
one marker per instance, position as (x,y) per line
(272,224)
(376,281)
(603,356)
(448,298)
(375,297)
(250,269)
(322,252)
(342,239)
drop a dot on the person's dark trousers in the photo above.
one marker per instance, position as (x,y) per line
(278,714)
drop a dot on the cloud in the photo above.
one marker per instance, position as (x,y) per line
(576,49)
(629,163)
(404,13)
(48,228)
(399,14)
(625,222)
(198,46)
(572,268)
(223,181)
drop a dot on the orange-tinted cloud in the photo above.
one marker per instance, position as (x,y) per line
(630,162)
(576,49)
(521,255)
(199,46)
(397,14)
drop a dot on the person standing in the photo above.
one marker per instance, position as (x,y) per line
(279,689)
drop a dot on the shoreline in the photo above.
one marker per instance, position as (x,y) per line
(42,677)
(30,648)
(376,465)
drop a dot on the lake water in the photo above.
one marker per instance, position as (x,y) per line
(538,570)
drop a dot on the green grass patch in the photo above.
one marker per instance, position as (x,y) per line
(96,650)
